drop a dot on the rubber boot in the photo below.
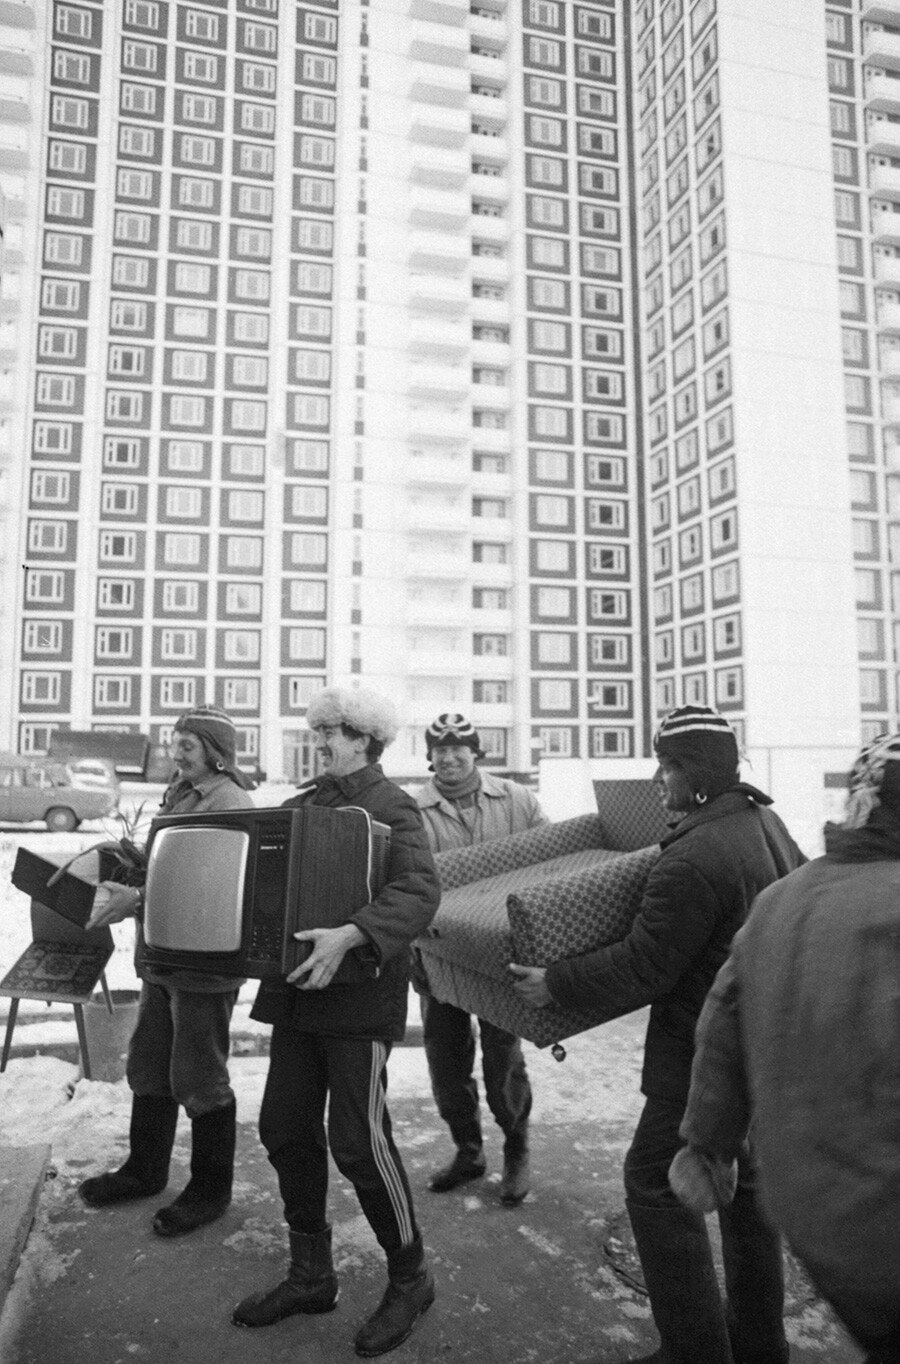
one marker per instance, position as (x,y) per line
(208,1192)
(146,1171)
(311,1285)
(467,1164)
(514,1182)
(410,1293)
(677,1262)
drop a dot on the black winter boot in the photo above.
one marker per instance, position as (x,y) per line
(410,1292)
(468,1164)
(516,1170)
(311,1285)
(146,1171)
(681,1283)
(208,1192)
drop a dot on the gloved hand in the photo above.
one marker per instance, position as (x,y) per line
(701,1181)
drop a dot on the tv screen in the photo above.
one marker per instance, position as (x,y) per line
(195,889)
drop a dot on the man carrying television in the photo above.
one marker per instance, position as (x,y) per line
(331,1042)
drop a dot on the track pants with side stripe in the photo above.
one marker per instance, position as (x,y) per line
(305,1071)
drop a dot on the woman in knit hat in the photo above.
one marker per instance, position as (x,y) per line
(725,846)
(179,1050)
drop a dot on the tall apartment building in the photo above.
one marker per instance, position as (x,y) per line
(489,354)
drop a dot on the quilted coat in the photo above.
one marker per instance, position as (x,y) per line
(502,808)
(711,866)
(803,1022)
(374,1008)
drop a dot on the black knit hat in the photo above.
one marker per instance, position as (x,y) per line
(452,730)
(704,746)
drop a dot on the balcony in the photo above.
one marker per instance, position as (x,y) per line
(490,353)
(438,512)
(882,49)
(448,171)
(426,611)
(885,225)
(434,424)
(490,396)
(438,254)
(438,46)
(490,68)
(881,12)
(488,188)
(887,271)
(486,28)
(437,558)
(883,94)
(433,468)
(890,407)
(486,148)
(490,269)
(447,87)
(883,136)
(438,383)
(486,228)
(490,311)
(889,364)
(451,297)
(487,108)
(439,341)
(492,439)
(440,209)
(885,182)
(454,12)
(888,317)
(439,126)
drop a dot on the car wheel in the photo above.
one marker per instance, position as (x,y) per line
(61,820)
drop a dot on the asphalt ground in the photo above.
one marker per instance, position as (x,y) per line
(552,1281)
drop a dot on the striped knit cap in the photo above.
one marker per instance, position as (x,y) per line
(874,780)
(454,729)
(216,732)
(704,746)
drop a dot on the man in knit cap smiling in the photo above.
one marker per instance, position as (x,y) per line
(463,805)
(725,845)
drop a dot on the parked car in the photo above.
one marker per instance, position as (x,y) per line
(93,774)
(31,790)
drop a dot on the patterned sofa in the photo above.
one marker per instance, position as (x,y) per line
(531,898)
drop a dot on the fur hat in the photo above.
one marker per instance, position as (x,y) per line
(452,730)
(704,746)
(364,711)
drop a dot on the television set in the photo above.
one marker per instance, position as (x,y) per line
(227,890)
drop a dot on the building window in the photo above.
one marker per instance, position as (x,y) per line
(112,692)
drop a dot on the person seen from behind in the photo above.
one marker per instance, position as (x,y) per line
(462,805)
(178,1053)
(725,844)
(800,1037)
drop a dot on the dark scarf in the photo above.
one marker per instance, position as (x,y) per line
(461,792)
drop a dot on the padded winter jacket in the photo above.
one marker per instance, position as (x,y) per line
(374,1008)
(501,808)
(802,1028)
(712,865)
